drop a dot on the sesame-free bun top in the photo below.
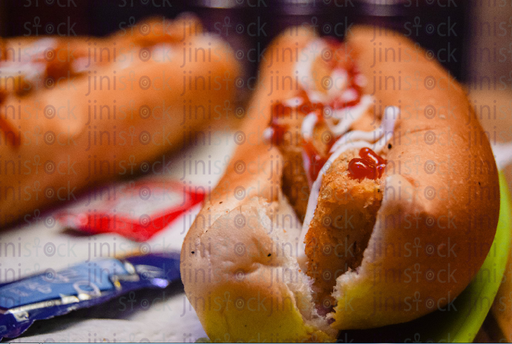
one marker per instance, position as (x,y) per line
(441,198)
(433,230)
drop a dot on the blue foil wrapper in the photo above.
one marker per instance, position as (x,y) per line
(83,285)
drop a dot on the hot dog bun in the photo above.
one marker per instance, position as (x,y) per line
(120,101)
(432,223)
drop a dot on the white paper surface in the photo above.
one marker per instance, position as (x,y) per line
(155,315)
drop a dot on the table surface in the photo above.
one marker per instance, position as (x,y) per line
(170,317)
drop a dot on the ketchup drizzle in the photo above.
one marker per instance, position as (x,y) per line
(316,160)
(280,110)
(337,58)
(370,165)
(278,131)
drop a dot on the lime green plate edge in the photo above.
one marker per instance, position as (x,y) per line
(474,303)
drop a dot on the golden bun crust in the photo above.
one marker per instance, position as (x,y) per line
(91,134)
(444,215)
(235,235)
(444,177)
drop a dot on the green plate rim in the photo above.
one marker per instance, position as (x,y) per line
(464,324)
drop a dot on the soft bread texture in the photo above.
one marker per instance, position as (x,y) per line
(451,197)
(433,230)
(152,109)
(234,251)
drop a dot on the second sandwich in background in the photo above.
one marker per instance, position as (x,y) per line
(77,112)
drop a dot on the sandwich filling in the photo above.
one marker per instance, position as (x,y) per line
(334,145)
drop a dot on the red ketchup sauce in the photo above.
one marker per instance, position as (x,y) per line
(338,58)
(370,165)
(316,160)
(279,110)
(282,111)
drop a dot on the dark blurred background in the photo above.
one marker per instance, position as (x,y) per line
(468,37)
(472,39)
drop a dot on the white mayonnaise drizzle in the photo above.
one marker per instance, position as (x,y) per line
(292,102)
(80,64)
(360,80)
(268,133)
(349,95)
(38,48)
(346,117)
(304,69)
(308,125)
(379,135)
(295,101)
(339,79)
(376,140)
(349,115)
(26,68)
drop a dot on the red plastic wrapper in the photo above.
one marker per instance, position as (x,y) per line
(136,210)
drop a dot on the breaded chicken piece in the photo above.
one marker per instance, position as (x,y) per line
(341,226)
(295,182)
